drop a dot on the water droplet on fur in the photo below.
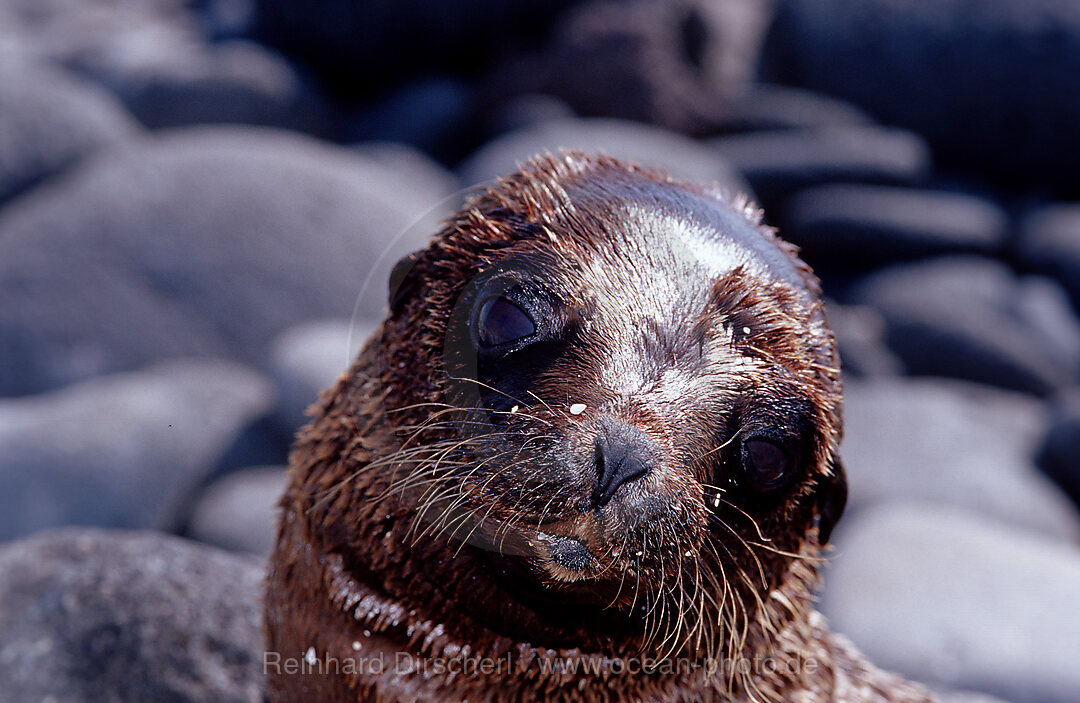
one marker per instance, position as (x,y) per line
(577,408)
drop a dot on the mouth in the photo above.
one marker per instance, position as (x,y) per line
(560,573)
(601,548)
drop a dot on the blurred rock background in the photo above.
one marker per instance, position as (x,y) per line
(200,201)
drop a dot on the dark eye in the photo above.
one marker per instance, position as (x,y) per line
(502,321)
(766,463)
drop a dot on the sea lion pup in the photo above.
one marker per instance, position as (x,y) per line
(589,456)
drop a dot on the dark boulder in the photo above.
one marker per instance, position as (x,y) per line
(92,616)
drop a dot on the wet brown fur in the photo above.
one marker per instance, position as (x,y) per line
(380,549)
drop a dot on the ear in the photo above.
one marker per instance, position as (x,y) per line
(830,494)
(403,282)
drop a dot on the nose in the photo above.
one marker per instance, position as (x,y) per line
(623,454)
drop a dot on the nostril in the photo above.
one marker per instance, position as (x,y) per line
(623,454)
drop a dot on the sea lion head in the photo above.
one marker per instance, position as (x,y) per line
(621,388)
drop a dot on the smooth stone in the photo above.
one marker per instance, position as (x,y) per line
(158,57)
(427,174)
(307,359)
(125,450)
(953,443)
(842,226)
(672,64)
(766,107)
(1059,454)
(182,80)
(972,318)
(526,110)
(412,166)
(239,512)
(991,84)
(433,113)
(966,697)
(957,600)
(861,336)
(49,121)
(227,19)
(204,242)
(1049,242)
(778,163)
(14,49)
(643,144)
(75,35)
(360,48)
(96,615)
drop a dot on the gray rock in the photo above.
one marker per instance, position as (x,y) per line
(76,35)
(433,113)
(971,318)
(861,226)
(673,64)
(777,107)
(1059,455)
(966,697)
(13,44)
(307,359)
(207,241)
(953,443)
(861,336)
(959,601)
(526,110)
(363,47)
(1050,242)
(182,81)
(50,120)
(123,450)
(646,145)
(415,167)
(990,83)
(227,18)
(155,56)
(780,162)
(239,512)
(92,616)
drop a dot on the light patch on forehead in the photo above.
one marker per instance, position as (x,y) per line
(661,264)
(657,273)
(718,244)
(637,289)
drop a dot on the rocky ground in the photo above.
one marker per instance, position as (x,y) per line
(200,203)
